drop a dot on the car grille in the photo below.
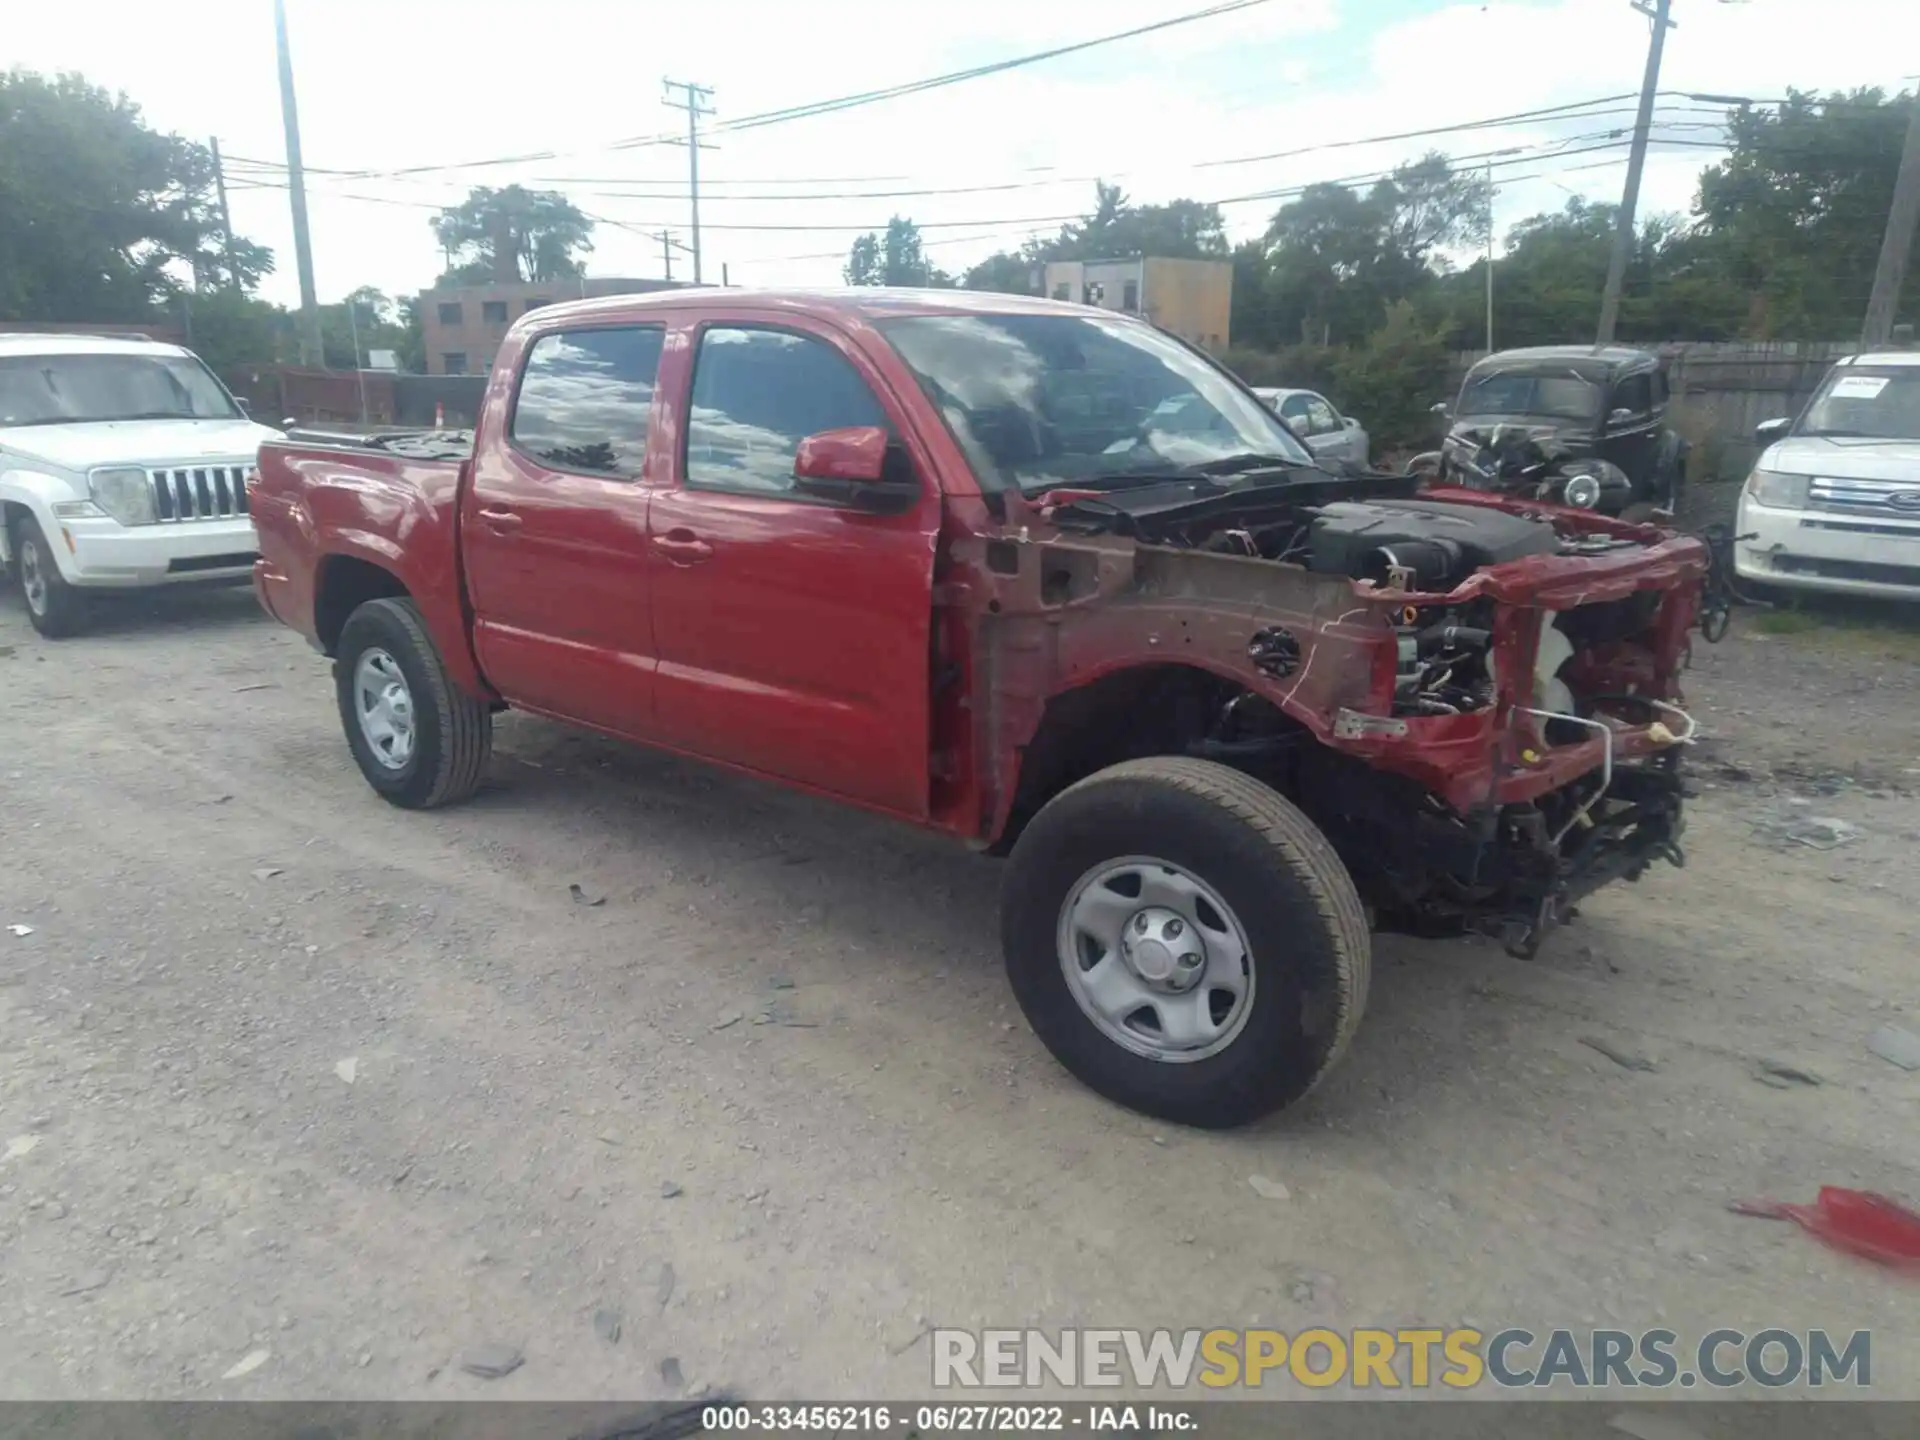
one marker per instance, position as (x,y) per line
(1866,497)
(199,492)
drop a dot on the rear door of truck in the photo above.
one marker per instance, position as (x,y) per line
(554,526)
(793,633)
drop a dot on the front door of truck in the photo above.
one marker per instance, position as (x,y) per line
(793,632)
(554,530)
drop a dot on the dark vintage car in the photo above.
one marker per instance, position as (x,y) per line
(1578,404)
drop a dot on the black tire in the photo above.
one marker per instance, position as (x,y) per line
(54,607)
(453,732)
(1305,928)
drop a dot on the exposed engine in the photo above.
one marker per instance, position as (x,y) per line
(1444,664)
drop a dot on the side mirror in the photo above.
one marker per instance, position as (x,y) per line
(1768,431)
(1621,416)
(287,422)
(849,467)
(1350,423)
(245,408)
(1441,408)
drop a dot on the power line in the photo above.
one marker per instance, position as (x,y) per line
(915,87)
(836,103)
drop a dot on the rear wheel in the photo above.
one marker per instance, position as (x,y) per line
(1185,941)
(54,608)
(420,739)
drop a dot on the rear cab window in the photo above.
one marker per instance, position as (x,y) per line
(586,398)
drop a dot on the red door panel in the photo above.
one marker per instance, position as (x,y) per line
(793,635)
(556,554)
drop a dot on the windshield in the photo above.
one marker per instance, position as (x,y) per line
(1043,400)
(1875,404)
(1561,394)
(74,389)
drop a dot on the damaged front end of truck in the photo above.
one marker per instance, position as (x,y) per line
(1476,700)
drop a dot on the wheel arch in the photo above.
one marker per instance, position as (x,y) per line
(1128,712)
(341,585)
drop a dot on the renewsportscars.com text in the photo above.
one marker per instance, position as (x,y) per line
(1410,1358)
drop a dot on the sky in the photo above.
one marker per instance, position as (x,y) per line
(386,86)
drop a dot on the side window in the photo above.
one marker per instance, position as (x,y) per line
(1320,415)
(1294,411)
(585,397)
(756,395)
(1635,393)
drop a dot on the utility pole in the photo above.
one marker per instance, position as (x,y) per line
(1636,162)
(1891,273)
(695,105)
(226,216)
(312,350)
(359,372)
(1489,257)
(667,246)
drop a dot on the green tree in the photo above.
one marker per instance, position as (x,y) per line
(1795,213)
(1393,379)
(101,218)
(1179,230)
(1334,259)
(512,234)
(895,257)
(369,314)
(1007,271)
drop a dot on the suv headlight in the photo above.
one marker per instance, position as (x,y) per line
(124,493)
(1782,492)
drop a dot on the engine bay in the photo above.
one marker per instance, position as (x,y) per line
(1399,542)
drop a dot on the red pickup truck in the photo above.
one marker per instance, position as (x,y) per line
(1041,577)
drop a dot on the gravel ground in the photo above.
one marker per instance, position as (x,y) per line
(285,1070)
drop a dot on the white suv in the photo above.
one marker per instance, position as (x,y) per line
(123,464)
(1834,502)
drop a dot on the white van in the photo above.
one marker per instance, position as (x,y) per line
(1834,500)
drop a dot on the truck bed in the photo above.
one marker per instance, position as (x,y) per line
(386,504)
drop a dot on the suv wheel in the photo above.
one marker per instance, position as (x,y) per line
(1185,941)
(420,739)
(54,607)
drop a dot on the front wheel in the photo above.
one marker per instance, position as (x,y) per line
(54,607)
(420,739)
(1185,941)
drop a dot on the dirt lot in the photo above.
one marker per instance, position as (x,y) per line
(284,1069)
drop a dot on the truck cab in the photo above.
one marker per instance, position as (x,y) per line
(122,466)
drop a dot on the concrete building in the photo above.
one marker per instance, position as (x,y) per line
(1190,298)
(464,324)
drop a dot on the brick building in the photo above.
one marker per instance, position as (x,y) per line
(464,324)
(1190,298)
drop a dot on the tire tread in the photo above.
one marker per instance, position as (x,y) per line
(466,724)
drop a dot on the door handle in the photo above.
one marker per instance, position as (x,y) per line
(501,522)
(682,547)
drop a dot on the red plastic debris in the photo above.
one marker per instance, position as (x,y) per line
(1857,1221)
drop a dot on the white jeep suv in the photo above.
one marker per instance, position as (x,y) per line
(123,464)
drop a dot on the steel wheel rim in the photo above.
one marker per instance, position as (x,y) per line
(33,580)
(1128,935)
(383,705)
